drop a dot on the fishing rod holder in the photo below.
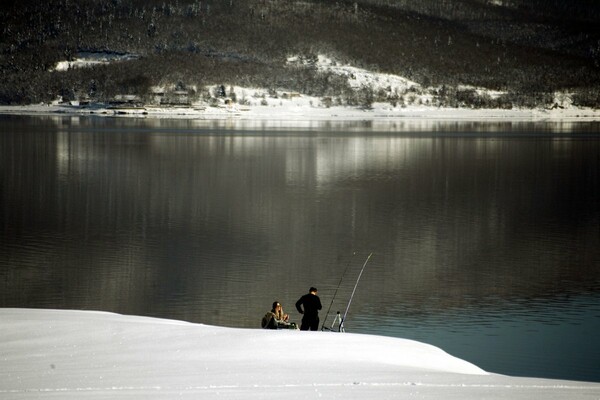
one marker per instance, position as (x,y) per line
(337,320)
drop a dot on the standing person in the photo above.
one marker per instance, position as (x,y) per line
(311,304)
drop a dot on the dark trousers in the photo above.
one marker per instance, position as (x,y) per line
(310,323)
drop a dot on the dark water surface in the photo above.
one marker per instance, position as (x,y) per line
(485,236)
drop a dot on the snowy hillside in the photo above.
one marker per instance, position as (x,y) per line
(518,47)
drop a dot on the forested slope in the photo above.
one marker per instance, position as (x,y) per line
(528,49)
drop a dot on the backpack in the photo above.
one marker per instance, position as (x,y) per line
(268,322)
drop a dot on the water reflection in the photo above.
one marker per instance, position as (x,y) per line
(406,126)
(483,235)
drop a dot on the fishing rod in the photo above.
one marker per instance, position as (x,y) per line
(341,326)
(335,294)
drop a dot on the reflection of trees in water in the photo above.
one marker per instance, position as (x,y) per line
(158,217)
(477,219)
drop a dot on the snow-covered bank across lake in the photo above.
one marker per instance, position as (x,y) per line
(97,355)
(306,108)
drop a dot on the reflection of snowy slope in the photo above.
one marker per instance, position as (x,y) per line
(335,163)
(346,160)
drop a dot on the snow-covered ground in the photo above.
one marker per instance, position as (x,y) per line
(305,108)
(91,59)
(54,354)
(359,77)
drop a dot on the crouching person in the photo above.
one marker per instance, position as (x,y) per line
(277,319)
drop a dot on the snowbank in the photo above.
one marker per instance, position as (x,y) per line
(96,355)
(308,109)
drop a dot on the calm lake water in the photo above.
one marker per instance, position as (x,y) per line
(485,236)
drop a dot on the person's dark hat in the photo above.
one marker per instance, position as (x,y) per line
(275,304)
(312,289)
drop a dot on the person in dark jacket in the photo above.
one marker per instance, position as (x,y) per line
(309,305)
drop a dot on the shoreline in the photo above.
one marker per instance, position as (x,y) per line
(290,112)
